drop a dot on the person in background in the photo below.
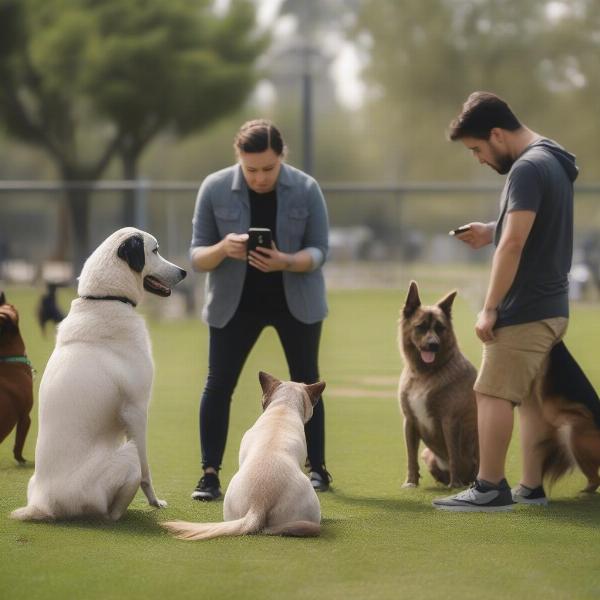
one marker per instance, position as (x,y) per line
(282,286)
(526,308)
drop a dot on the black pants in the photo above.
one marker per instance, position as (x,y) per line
(228,349)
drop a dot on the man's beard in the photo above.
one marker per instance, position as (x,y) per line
(502,163)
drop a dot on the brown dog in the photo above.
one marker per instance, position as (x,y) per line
(571,407)
(436,394)
(16,381)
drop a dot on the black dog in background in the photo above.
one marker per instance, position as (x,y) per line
(48,309)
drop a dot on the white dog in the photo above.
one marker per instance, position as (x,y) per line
(90,457)
(270,493)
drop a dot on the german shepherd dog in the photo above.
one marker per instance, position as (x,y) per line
(571,407)
(436,394)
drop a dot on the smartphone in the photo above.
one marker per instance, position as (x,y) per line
(259,236)
(459,230)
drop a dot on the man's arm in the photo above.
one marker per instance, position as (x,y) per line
(506,260)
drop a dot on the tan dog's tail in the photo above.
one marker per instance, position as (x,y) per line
(30,513)
(558,459)
(295,529)
(253,522)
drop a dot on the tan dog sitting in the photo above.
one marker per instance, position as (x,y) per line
(436,394)
(16,380)
(270,493)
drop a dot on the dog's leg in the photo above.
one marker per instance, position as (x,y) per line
(127,479)
(22,429)
(136,419)
(412,438)
(452,437)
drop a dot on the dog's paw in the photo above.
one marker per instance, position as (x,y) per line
(21,460)
(409,484)
(160,503)
(456,484)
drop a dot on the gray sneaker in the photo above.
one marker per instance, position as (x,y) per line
(525,495)
(482,496)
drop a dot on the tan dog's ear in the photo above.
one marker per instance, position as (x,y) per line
(446,303)
(314,391)
(412,300)
(269,384)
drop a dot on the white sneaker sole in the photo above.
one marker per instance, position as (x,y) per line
(535,501)
(474,508)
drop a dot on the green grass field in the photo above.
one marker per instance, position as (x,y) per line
(378,540)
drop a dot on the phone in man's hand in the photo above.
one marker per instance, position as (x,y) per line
(459,230)
(259,237)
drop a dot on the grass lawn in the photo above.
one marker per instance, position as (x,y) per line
(378,540)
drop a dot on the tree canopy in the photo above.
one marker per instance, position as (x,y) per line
(88,81)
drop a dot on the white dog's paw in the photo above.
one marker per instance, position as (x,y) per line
(409,484)
(159,503)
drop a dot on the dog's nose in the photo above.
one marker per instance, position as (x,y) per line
(433,347)
(182,272)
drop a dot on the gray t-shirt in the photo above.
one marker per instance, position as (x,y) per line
(540,180)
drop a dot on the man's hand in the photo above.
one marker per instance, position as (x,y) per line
(268,260)
(484,327)
(234,245)
(478,235)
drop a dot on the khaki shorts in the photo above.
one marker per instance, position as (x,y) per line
(516,357)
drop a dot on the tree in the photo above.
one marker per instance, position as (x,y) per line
(427,55)
(88,81)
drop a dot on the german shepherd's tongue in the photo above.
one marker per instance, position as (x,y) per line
(427,357)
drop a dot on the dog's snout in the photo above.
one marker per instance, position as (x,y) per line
(183,273)
(433,346)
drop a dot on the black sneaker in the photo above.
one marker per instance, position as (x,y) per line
(320,479)
(208,488)
(482,496)
(525,495)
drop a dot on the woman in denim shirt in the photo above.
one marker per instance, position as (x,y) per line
(282,286)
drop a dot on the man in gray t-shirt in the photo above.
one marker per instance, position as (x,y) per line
(526,308)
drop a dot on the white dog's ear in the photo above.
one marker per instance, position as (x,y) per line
(132,252)
(446,303)
(412,300)
(314,391)
(269,384)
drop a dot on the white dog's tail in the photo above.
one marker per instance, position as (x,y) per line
(253,522)
(30,513)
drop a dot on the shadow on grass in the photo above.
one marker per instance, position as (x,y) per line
(581,510)
(138,522)
(414,505)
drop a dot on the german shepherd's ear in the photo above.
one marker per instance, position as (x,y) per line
(269,384)
(446,303)
(132,252)
(314,391)
(412,300)
(2,298)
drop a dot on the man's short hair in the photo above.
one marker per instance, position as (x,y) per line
(480,114)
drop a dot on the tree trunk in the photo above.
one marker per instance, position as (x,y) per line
(128,212)
(78,202)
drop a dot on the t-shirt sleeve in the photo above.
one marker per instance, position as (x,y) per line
(525,188)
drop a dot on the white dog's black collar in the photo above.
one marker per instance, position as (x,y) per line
(119,298)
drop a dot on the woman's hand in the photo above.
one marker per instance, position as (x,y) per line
(268,260)
(478,235)
(234,245)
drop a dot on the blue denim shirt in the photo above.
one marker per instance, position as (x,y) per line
(223,207)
